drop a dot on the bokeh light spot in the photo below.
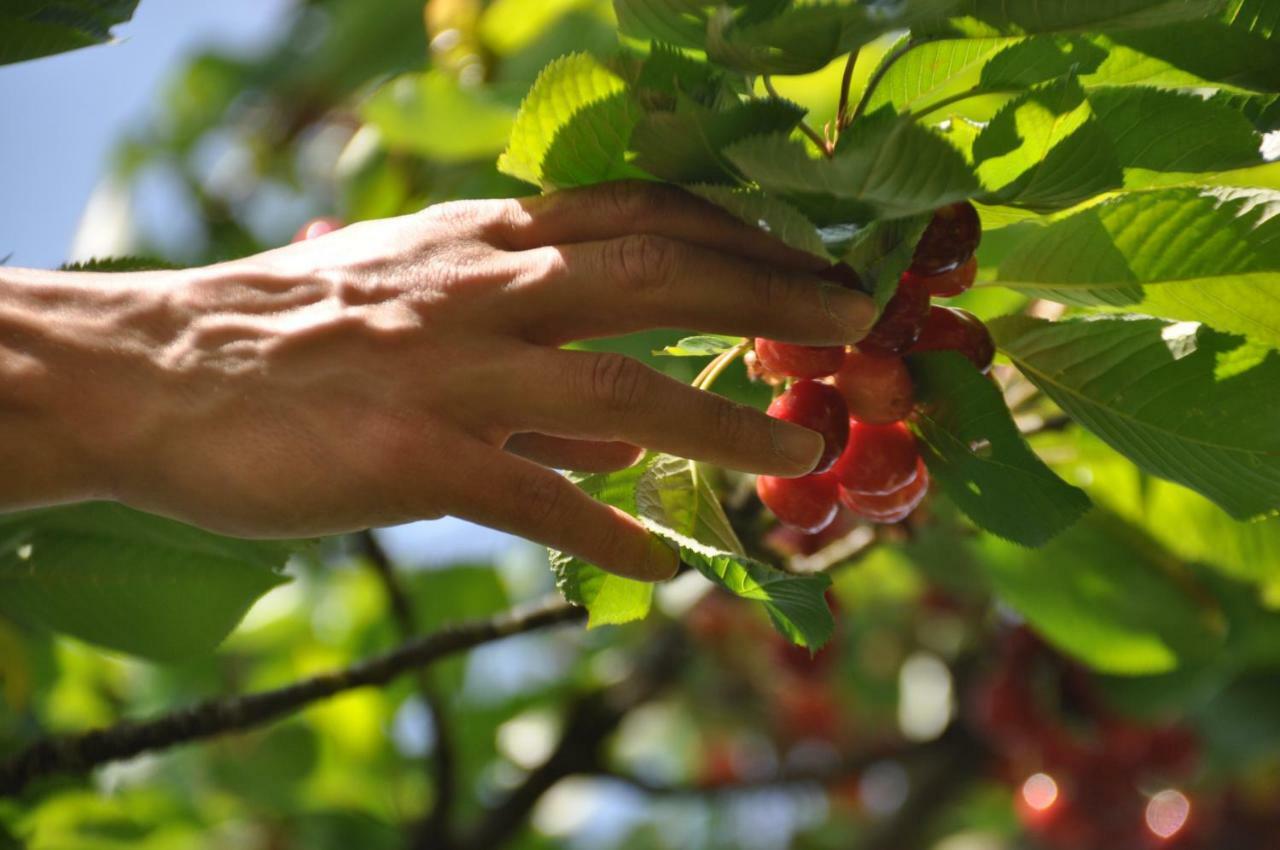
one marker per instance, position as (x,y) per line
(1167,813)
(1040,791)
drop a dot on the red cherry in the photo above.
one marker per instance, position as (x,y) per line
(806,504)
(951,238)
(901,321)
(949,283)
(317,227)
(799,361)
(879,458)
(889,507)
(818,407)
(953,329)
(876,389)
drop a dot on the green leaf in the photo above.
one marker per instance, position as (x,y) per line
(677,503)
(1180,400)
(592,146)
(131,581)
(608,598)
(1209,255)
(679,22)
(1045,150)
(572,127)
(1102,595)
(674,500)
(1153,130)
(1038,16)
(705,345)
(685,146)
(804,36)
(1181,520)
(882,251)
(34,28)
(117,264)
(975,452)
(884,167)
(432,115)
(778,217)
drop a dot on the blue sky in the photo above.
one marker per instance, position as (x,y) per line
(63,114)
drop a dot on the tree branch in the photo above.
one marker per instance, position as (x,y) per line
(436,829)
(590,721)
(81,752)
(819,774)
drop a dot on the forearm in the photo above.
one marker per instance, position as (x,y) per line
(72,347)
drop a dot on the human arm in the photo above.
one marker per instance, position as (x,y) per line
(375,375)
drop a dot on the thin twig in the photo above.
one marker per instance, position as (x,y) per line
(589,722)
(817,138)
(434,830)
(78,753)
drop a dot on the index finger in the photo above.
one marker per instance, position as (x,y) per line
(626,207)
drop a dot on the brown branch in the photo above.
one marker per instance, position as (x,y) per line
(945,770)
(590,721)
(436,829)
(826,773)
(842,110)
(81,752)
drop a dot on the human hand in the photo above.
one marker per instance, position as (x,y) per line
(410,367)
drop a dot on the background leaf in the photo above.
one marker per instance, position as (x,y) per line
(884,167)
(975,452)
(1210,255)
(130,581)
(1097,593)
(1181,401)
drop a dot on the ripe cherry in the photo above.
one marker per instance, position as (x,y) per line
(807,504)
(879,458)
(950,239)
(877,389)
(799,361)
(317,227)
(818,407)
(953,329)
(889,507)
(949,283)
(901,321)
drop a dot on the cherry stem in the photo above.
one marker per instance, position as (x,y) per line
(842,111)
(878,75)
(824,144)
(716,367)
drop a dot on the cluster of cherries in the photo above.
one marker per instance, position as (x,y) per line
(859,397)
(1087,778)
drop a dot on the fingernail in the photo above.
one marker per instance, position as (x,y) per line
(663,559)
(853,311)
(798,445)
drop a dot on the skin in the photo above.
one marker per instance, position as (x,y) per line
(407,368)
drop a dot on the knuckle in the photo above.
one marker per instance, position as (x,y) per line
(541,496)
(643,261)
(616,381)
(638,200)
(731,423)
(772,290)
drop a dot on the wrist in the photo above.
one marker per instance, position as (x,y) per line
(76,397)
